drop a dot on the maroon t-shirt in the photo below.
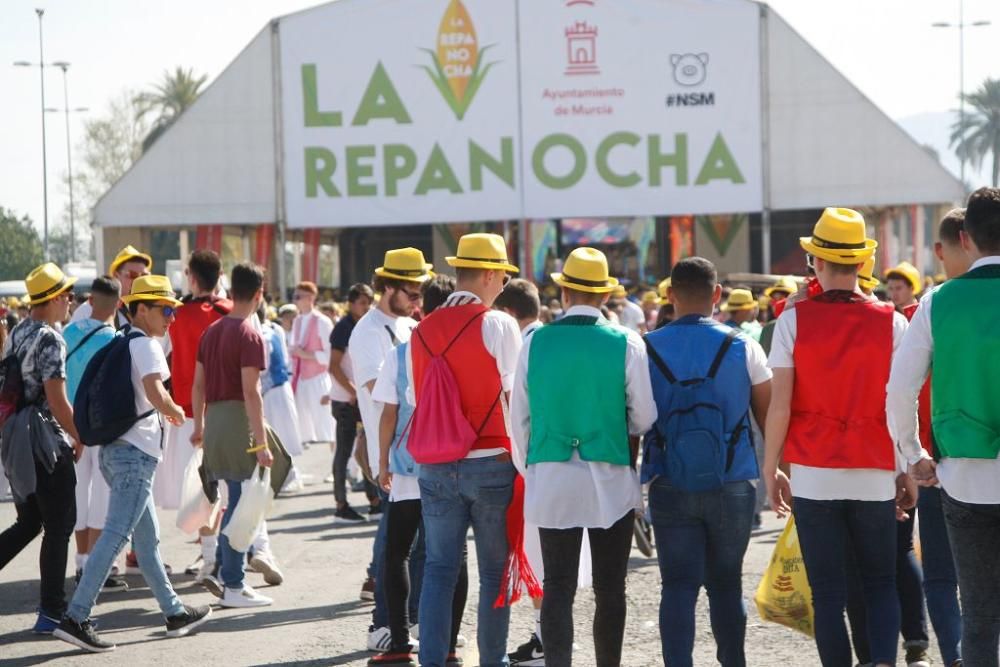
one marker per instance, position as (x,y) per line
(227,347)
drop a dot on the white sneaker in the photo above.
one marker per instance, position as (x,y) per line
(379,639)
(245,597)
(415,631)
(263,563)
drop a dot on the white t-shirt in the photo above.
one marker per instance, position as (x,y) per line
(404,487)
(147,359)
(373,337)
(832,483)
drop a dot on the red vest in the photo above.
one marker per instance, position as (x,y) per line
(843,353)
(189,324)
(924,405)
(475,369)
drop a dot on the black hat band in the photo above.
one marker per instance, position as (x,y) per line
(55,289)
(405,272)
(586,283)
(831,245)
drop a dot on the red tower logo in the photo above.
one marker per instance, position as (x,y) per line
(581,49)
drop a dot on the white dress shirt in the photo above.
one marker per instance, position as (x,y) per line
(578,493)
(502,339)
(832,483)
(966,480)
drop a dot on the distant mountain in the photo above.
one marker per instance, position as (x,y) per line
(933,128)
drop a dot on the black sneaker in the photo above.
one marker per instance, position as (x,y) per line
(82,635)
(182,624)
(347,515)
(453,660)
(528,655)
(114,584)
(374,510)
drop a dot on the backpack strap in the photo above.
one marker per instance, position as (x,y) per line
(453,340)
(726,344)
(84,340)
(660,363)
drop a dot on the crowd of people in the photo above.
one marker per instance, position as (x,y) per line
(549,430)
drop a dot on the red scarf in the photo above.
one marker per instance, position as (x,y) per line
(517,572)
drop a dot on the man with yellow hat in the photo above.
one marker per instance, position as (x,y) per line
(127,265)
(632,316)
(904,284)
(576,455)
(43,482)
(129,464)
(844,480)
(741,312)
(776,295)
(479,348)
(376,334)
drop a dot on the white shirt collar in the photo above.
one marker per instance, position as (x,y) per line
(985,261)
(584,311)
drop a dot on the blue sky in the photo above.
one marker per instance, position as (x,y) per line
(887,48)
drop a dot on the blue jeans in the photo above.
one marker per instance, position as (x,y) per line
(824,526)
(233,562)
(454,496)
(380,614)
(129,474)
(940,580)
(701,539)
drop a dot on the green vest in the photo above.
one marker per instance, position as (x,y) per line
(576,392)
(965,372)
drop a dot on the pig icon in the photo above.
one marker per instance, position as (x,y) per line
(689,68)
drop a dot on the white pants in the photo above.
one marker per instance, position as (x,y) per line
(315,419)
(92,491)
(282,415)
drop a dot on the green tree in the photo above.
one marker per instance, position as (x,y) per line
(978,134)
(21,250)
(168,99)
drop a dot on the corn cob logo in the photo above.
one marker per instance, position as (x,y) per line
(457,64)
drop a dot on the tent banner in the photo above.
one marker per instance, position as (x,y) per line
(474,110)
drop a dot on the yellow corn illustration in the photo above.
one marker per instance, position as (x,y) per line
(457,48)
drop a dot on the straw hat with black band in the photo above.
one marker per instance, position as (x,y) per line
(405,264)
(739,300)
(839,237)
(45,283)
(482,251)
(129,254)
(909,273)
(866,276)
(151,288)
(586,270)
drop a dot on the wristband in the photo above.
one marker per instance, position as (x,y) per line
(254,450)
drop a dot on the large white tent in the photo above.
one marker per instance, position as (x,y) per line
(340,116)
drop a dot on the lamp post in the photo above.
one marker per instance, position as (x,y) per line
(64,66)
(961,25)
(45,176)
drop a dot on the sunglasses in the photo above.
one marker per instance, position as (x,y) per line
(168,311)
(413,296)
(506,279)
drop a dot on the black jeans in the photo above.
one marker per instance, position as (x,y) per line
(52,508)
(347,416)
(609,550)
(909,587)
(405,519)
(974,531)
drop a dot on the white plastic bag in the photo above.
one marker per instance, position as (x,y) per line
(195,509)
(255,498)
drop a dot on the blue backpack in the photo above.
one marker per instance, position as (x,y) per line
(697,454)
(104,406)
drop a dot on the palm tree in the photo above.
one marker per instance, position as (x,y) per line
(978,133)
(168,99)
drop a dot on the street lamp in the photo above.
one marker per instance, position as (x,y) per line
(45,176)
(64,66)
(961,25)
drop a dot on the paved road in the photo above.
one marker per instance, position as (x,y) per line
(317,618)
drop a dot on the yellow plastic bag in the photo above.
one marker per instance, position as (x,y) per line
(783,595)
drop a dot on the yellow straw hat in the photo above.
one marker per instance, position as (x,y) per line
(127,254)
(866,276)
(586,270)
(909,273)
(786,284)
(405,264)
(662,288)
(45,283)
(839,237)
(151,288)
(482,251)
(619,292)
(739,300)
(650,297)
